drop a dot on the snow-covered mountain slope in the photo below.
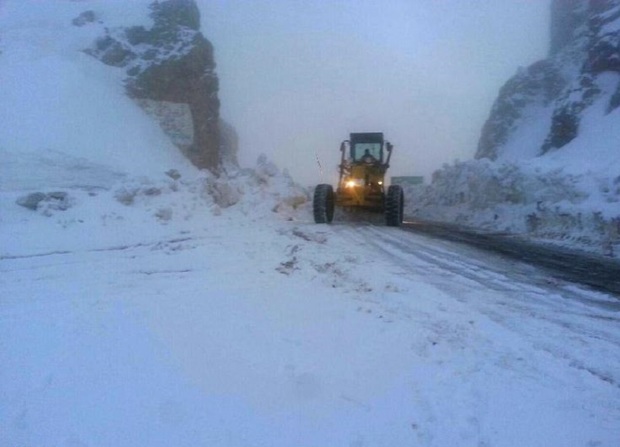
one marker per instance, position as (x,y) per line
(77,152)
(65,93)
(62,105)
(546,105)
(553,136)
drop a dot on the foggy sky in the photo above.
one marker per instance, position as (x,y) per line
(296,76)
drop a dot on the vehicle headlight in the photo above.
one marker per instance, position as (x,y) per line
(352,183)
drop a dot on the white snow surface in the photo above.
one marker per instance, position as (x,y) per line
(146,311)
(172,321)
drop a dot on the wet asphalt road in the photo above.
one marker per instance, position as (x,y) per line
(598,272)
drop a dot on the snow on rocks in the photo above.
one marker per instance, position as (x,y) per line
(57,200)
(551,204)
(553,134)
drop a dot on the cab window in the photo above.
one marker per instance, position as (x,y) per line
(358,151)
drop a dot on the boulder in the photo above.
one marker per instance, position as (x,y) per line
(85,18)
(31,201)
(53,201)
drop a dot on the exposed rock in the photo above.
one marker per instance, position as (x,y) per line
(540,110)
(53,201)
(566,18)
(151,191)
(172,62)
(537,86)
(31,201)
(175,119)
(229,143)
(112,52)
(164,214)
(614,102)
(173,174)
(126,196)
(585,44)
(175,13)
(603,55)
(568,110)
(84,18)
(58,195)
(224,194)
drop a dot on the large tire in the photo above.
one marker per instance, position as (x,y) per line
(323,204)
(394,204)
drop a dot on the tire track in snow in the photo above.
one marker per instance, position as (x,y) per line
(525,295)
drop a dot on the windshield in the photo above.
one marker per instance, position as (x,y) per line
(359,149)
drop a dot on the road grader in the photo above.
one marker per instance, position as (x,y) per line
(365,158)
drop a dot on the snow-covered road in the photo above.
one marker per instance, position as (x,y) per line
(288,333)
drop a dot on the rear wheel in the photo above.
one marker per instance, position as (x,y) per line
(323,204)
(394,204)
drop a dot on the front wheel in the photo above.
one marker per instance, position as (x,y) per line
(394,204)
(323,204)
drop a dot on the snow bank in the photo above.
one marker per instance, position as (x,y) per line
(570,196)
(120,208)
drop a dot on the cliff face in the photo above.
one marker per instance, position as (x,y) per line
(172,62)
(567,16)
(548,160)
(547,100)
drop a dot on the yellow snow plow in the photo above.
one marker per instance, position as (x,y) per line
(365,158)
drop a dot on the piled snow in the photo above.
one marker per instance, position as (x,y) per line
(570,196)
(162,201)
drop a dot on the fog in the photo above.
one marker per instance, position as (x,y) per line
(297,76)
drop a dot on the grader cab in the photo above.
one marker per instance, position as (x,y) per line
(365,158)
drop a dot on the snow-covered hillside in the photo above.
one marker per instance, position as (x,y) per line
(553,136)
(61,105)
(78,155)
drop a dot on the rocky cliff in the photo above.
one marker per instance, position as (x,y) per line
(547,100)
(170,71)
(547,164)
